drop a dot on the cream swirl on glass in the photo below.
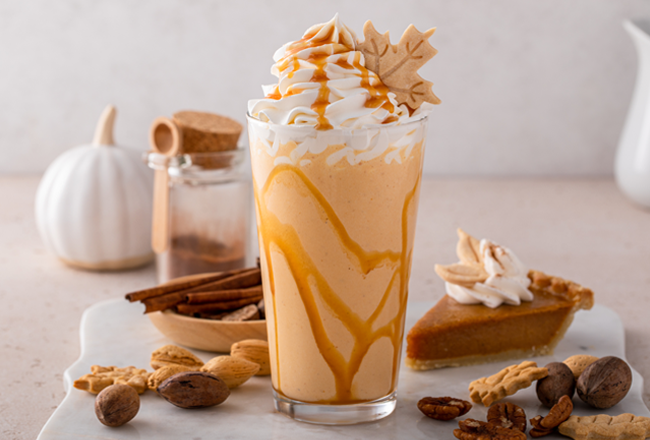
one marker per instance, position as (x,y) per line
(488,274)
(323,83)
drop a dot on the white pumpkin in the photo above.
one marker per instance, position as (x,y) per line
(94,204)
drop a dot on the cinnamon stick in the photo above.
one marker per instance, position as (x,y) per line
(163,302)
(247,278)
(223,295)
(214,316)
(190,309)
(141,295)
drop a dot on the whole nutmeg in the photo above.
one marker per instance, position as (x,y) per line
(559,382)
(194,389)
(117,404)
(605,382)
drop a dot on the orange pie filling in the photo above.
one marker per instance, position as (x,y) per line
(453,334)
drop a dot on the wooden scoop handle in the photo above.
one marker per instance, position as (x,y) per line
(160,226)
(165,138)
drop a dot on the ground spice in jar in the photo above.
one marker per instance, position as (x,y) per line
(191,254)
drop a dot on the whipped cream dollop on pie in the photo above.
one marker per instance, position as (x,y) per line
(487,274)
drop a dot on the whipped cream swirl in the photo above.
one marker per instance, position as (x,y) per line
(323,82)
(507,281)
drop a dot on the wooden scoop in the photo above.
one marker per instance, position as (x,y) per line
(165,138)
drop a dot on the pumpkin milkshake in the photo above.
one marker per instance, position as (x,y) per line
(337,162)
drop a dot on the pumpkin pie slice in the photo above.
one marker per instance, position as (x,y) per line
(453,334)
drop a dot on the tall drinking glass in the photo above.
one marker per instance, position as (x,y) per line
(336,214)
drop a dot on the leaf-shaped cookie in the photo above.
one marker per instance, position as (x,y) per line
(397,65)
(102,377)
(468,249)
(461,274)
(622,427)
(506,382)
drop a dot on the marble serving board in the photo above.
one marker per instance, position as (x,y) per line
(116,333)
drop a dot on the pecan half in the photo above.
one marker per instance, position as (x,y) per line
(443,408)
(507,415)
(471,429)
(536,433)
(535,422)
(558,414)
(537,429)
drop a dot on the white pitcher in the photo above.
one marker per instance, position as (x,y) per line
(632,167)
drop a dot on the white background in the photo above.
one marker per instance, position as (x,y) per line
(528,87)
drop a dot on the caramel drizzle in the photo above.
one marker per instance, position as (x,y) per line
(323,99)
(295,66)
(275,94)
(287,240)
(377,94)
(308,42)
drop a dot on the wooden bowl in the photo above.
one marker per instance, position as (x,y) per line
(205,334)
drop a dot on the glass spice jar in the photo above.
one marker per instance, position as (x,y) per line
(209,213)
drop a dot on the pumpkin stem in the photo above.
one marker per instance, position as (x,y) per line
(104,130)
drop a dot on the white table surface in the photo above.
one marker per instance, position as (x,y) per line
(582,229)
(114,332)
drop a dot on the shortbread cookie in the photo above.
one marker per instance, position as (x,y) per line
(397,65)
(506,382)
(102,377)
(604,427)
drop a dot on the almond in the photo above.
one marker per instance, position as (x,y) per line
(234,371)
(254,350)
(577,363)
(162,374)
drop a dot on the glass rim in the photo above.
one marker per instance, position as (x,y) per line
(310,128)
(183,160)
(200,167)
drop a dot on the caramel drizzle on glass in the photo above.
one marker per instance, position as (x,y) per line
(302,267)
(377,94)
